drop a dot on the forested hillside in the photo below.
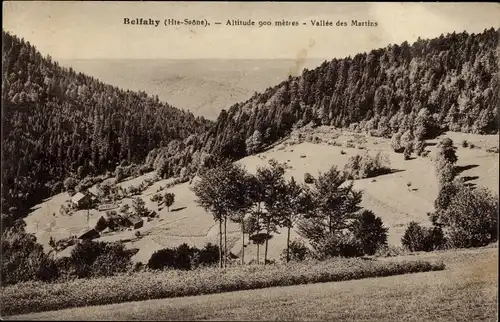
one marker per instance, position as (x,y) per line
(57,123)
(446,83)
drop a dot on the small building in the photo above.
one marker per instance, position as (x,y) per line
(136,221)
(81,200)
(89,234)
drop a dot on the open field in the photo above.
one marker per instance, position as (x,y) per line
(389,196)
(465,291)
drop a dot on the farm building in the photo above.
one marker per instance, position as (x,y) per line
(89,233)
(136,221)
(81,200)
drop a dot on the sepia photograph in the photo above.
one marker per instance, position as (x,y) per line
(249,161)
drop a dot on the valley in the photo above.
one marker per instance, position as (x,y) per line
(388,196)
(204,86)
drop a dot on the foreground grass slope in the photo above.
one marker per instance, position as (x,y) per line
(389,196)
(37,296)
(465,291)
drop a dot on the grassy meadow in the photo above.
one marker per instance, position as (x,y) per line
(35,296)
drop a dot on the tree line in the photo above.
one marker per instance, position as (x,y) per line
(326,212)
(465,216)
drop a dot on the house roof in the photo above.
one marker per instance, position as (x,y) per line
(135,219)
(86,231)
(92,190)
(77,197)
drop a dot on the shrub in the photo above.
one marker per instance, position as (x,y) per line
(471,216)
(419,147)
(91,259)
(133,190)
(418,238)
(407,152)
(119,174)
(70,183)
(23,258)
(366,166)
(389,251)
(115,221)
(446,193)
(139,207)
(208,255)
(162,258)
(446,172)
(338,245)
(184,257)
(465,143)
(158,198)
(396,143)
(369,230)
(447,151)
(298,251)
(406,140)
(308,178)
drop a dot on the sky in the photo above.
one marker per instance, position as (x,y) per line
(95,30)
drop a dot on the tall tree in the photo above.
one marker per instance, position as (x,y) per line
(257,195)
(244,201)
(169,199)
(273,183)
(219,191)
(336,204)
(296,200)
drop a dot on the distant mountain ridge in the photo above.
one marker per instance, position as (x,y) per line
(202,86)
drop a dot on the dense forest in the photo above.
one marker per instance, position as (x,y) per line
(450,82)
(57,123)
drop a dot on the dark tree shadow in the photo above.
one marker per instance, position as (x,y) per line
(387,171)
(469,178)
(260,238)
(411,158)
(367,258)
(426,144)
(461,169)
(177,209)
